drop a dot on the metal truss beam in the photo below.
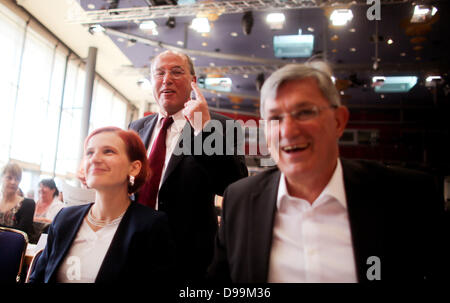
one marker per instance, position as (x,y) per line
(214,7)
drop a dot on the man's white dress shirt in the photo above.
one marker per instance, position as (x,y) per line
(312,242)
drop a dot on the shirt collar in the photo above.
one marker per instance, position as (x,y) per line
(179,121)
(335,188)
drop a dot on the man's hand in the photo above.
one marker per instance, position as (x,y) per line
(196,111)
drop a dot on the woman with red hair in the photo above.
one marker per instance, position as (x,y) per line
(113,239)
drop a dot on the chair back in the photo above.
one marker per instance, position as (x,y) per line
(33,264)
(13,245)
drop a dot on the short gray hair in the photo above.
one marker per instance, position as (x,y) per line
(189,60)
(319,70)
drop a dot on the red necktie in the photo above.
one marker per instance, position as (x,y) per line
(149,192)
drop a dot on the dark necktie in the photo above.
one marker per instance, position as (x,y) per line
(149,192)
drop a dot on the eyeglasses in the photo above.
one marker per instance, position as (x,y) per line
(302,114)
(175,73)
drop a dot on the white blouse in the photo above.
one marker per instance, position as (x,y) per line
(85,256)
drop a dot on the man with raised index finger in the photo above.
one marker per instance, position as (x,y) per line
(183,183)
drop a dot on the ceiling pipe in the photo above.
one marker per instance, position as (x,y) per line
(191,51)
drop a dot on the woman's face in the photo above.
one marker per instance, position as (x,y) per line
(45,193)
(10,184)
(106,162)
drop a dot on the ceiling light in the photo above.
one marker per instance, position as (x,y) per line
(422,13)
(147,25)
(352,30)
(402,54)
(201,25)
(91,6)
(247,23)
(245,76)
(180,43)
(96,28)
(275,20)
(353,49)
(204,43)
(340,17)
(310,29)
(234,34)
(433,78)
(390,41)
(432,81)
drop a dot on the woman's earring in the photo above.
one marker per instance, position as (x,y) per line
(131,180)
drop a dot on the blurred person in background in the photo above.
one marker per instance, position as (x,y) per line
(48,204)
(15,211)
(47,207)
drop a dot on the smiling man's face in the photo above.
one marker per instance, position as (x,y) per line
(171,81)
(303,149)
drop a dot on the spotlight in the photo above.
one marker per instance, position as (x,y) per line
(260,81)
(275,20)
(423,13)
(96,28)
(113,4)
(247,23)
(340,17)
(201,25)
(171,22)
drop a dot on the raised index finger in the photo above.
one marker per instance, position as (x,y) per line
(197,92)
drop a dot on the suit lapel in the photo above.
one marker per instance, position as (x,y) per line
(262,214)
(146,132)
(363,213)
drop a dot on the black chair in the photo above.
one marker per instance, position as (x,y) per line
(33,264)
(13,245)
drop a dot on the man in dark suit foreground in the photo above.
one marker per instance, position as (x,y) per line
(320,218)
(195,167)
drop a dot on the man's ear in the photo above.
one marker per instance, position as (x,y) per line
(341,115)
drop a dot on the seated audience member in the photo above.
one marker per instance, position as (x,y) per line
(317,217)
(48,203)
(15,211)
(113,239)
(47,206)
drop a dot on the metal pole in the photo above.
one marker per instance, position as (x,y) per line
(87,102)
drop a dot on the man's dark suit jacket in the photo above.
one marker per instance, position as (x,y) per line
(395,214)
(187,192)
(141,249)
